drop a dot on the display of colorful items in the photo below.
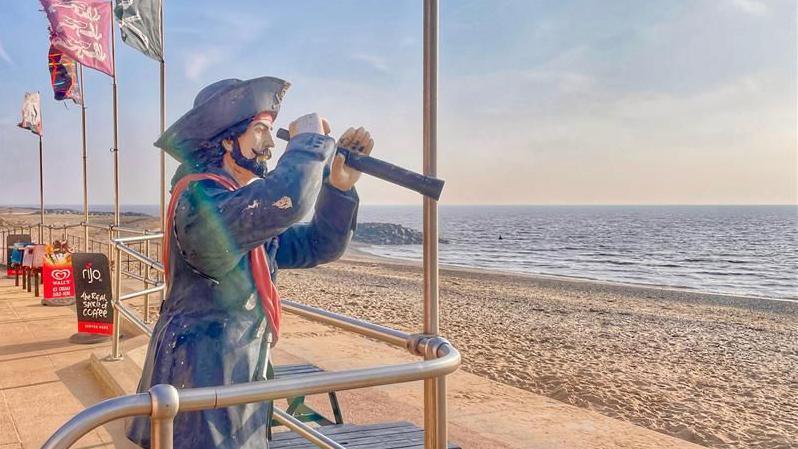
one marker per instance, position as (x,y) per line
(17,253)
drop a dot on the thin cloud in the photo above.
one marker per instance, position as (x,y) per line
(752,7)
(225,34)
(374,62)
(198,63)
(4,55)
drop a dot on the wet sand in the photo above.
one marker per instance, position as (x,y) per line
(715,370)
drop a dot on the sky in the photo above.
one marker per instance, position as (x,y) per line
(540,102)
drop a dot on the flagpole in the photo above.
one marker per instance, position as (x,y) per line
(163,124)
(85,163)
(116,353)
(41,192)
(116,128)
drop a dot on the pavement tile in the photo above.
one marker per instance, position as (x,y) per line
(25,372)
(39,410)
(8,431)
(6,312)
(34,309)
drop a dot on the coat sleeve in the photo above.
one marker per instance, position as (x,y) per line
(327,235)
(215,228)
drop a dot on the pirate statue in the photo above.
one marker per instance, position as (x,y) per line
(231,223)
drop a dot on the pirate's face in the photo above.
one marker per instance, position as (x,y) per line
(257,141)
(253,148)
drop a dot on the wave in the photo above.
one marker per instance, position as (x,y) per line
(735,250)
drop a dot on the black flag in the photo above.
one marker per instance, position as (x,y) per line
(140,22)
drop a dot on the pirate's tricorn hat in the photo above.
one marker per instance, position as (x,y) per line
(218,107)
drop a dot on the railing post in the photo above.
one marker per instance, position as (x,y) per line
(110,238)
(85,238)
(116,348)
(165,404)
(435,431)
(49,234)
(146,284)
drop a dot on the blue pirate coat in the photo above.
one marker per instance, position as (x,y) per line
(211,327)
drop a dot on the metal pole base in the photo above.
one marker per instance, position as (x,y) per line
(85,338)
(58,302)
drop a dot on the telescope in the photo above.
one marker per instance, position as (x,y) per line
(425,185)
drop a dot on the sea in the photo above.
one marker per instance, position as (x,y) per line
(737,250)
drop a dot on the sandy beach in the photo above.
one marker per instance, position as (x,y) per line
(716,370)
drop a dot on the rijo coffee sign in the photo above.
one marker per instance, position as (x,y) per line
(93,293)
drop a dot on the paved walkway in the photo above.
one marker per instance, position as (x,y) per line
(45,380)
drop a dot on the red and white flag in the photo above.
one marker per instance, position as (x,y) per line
(82,30)
(31,113)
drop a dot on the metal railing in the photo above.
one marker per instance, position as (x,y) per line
(134,268)
(120,309)
(163,402)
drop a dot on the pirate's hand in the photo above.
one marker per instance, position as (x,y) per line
(342,176)
(309,123)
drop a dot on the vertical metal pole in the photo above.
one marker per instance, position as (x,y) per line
(146,283)
(434,389)
(41,191)
(110,252)
(116,128)
(85,164)
(163,122)
(163,153)
(165,404)
(116,349)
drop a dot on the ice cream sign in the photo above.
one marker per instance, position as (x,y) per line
(59,285)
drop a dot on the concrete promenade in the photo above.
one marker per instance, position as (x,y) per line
(45,380)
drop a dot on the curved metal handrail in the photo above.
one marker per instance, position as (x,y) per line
(446,360)
(97,415)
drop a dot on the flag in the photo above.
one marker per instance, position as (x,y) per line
(63,76)
(31,113)
(81,29)
(140,22)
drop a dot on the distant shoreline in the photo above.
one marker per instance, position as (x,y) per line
(356,253)
(22,210)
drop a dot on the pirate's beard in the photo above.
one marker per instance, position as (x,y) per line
(257,165)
